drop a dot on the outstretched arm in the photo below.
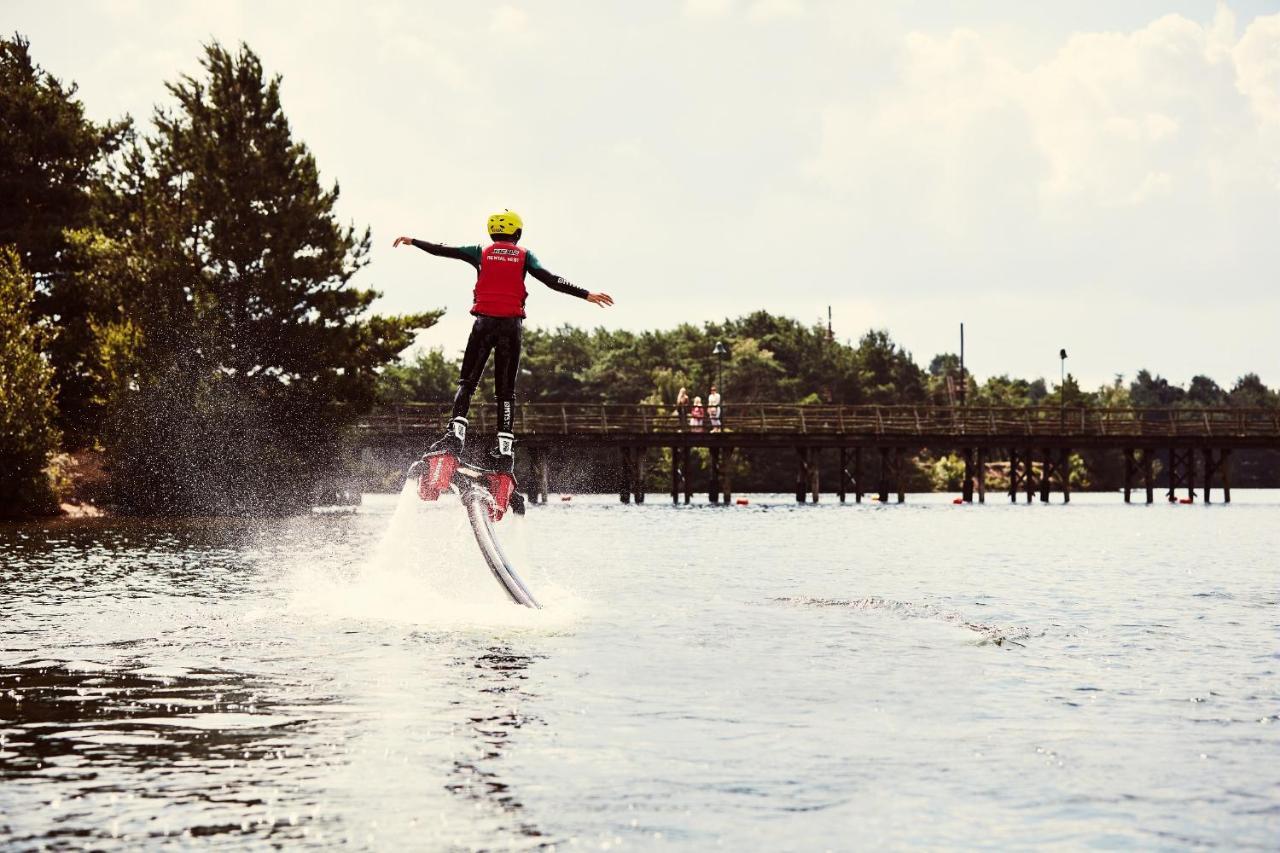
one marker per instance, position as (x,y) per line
(440,250)
(555,282)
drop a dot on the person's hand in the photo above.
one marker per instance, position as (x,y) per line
(604,300)
(408,241)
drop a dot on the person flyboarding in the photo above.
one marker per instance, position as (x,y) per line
(499,308)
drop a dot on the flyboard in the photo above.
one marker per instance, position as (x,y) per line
(486,496)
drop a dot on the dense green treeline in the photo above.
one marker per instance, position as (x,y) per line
(781,360)
(769,358)
(190,295)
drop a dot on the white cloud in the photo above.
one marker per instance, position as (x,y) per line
(1257,62)
(510,21)
(764,11)
(707,8)
(1166,130)
(909,163)
(1106,117)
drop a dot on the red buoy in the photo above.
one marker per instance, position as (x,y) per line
(742,501)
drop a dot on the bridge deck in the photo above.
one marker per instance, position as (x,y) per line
(777,425)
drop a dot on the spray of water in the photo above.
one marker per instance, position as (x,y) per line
(426,570)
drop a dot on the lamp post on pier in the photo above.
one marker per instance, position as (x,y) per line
(1062,386)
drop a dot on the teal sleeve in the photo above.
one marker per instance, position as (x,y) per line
(535,268)
(473,252)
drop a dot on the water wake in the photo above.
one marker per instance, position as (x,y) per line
(427,570)
(994,635)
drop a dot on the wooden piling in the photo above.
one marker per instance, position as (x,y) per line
(884,475)
(898,465)
(1225,465)
(726,476)
(857,475)
(844,473)
(637,480)
(1130,467)
(814,487)
(544,475)
(1148,473)
(1210,467)
(533,475)
(688,474)
(982,475)
(713,493)
(802,473)
(1014,477)
(966,489)
(1189,460)
(675,475)
(1064,474)
(624,487)
(1046,474)
(1029,473)
(532,481)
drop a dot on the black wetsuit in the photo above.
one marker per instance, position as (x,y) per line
(499,335)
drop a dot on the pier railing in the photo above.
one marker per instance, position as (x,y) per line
(776,419)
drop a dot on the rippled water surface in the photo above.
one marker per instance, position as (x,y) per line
(751,677)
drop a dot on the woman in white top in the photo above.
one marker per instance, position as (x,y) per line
(713,408)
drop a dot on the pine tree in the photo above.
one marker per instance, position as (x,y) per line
(52,176)
(256,349)
(27,433)
(48,155)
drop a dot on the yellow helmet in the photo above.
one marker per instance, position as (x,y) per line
(506,222)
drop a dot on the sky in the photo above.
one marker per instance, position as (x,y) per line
(1096,176)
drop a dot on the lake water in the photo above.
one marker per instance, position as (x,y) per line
(761,677)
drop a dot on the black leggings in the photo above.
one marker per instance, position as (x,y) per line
(501,335)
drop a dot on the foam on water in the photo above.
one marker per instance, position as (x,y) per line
(997,635)
(427,570)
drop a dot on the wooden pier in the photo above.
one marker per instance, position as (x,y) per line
(1194,446)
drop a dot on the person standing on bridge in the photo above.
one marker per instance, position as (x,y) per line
(696,414)
(499,308)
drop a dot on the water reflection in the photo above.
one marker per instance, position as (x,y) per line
(89,750)
(499,676)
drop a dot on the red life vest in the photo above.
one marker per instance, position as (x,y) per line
(500,290)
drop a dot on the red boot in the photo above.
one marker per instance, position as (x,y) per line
(437,473)
(501,486)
